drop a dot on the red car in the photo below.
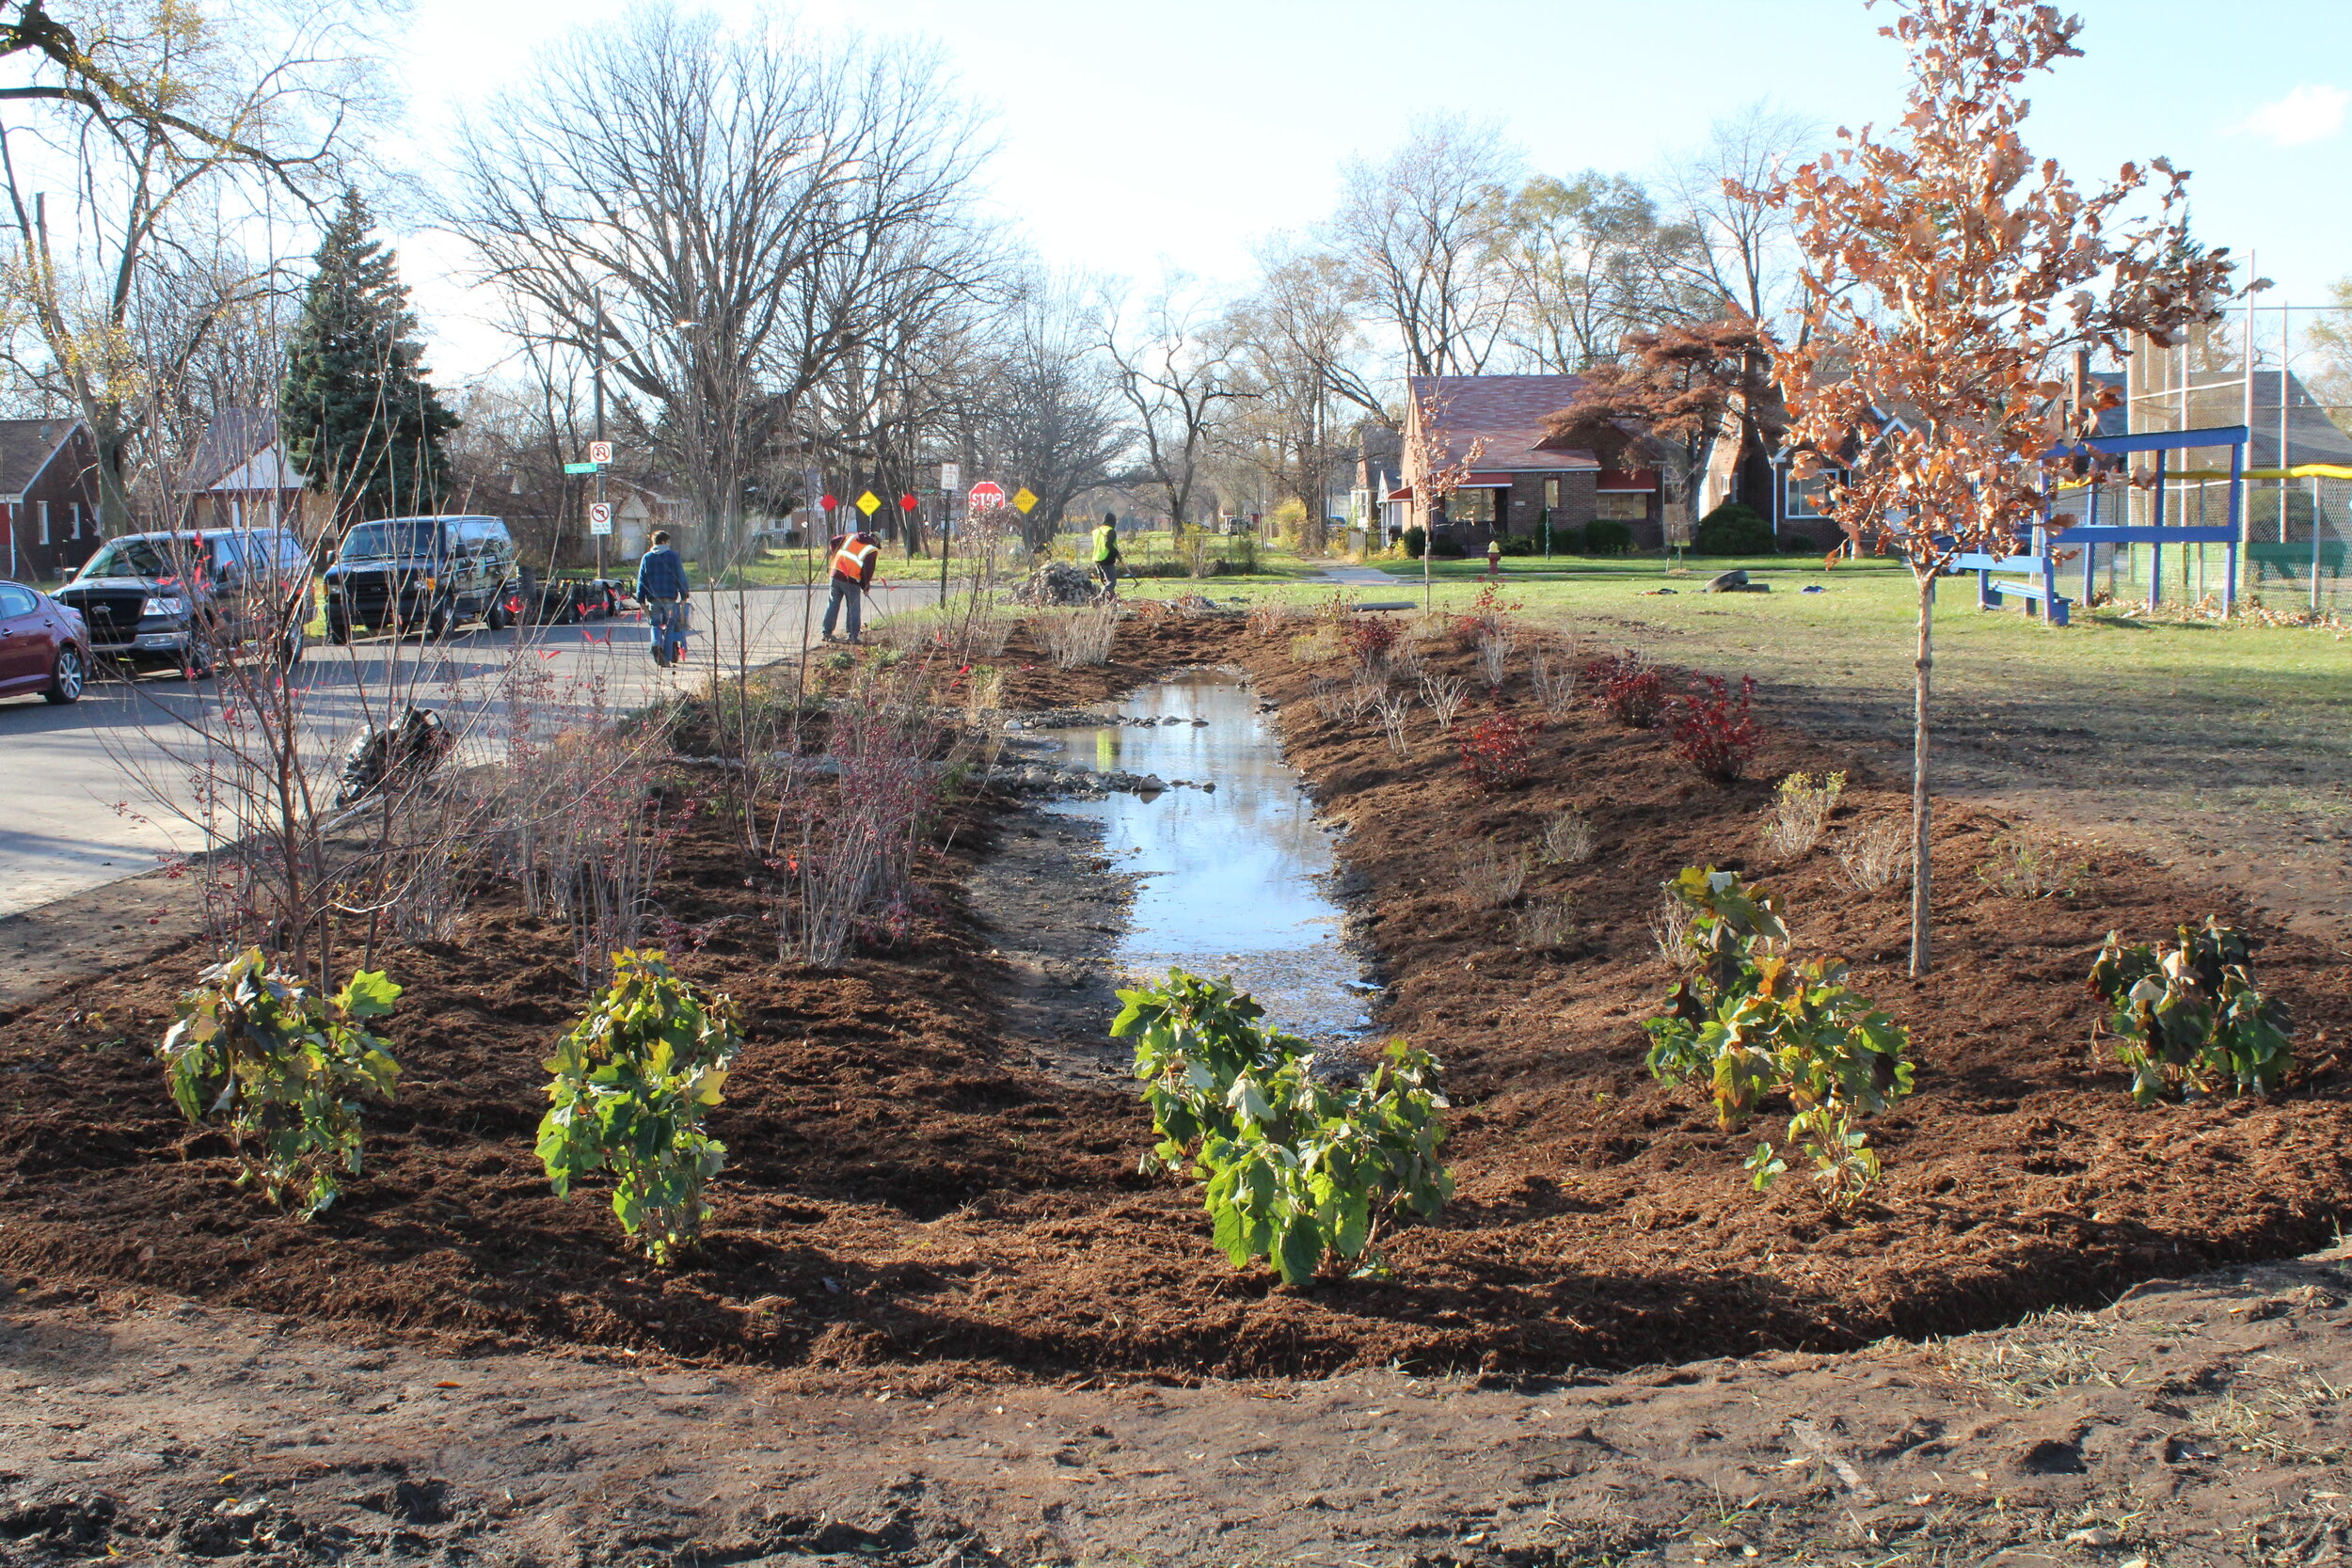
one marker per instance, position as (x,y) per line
(44,646)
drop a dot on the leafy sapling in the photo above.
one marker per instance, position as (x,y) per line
(1294,1170)
(633,1080)
(281,1070)
(2187,1019)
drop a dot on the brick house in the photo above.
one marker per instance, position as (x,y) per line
(1518,479)
(49,492)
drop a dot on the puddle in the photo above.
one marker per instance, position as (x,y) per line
(1228,882)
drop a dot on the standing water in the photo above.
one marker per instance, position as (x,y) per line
(1230,882)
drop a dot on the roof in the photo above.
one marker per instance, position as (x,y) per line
(1508,412)
(239,451)
(26,447)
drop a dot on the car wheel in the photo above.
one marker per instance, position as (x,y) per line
(439,622)
(66,681)
(196,663)
(495,618)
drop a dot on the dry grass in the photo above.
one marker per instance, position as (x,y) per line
(1668,929)
(1545,923)
(2019,868)
(1794,821)
(1569,838)
(1080,637)
(1491,878)
(1874,855)
(1270,618)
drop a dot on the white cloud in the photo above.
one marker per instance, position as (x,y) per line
(2308,114)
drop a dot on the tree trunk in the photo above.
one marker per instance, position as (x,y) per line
(1920,805)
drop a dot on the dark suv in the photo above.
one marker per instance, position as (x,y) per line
(179,601)
(421,574)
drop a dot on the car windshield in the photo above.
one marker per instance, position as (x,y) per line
(393,540)
(142,557)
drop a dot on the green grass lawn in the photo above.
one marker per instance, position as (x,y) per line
(2237,730)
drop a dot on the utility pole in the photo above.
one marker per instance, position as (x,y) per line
(599,417)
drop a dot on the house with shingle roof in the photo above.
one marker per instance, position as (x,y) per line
(1517,482)
(239,475)
(49,494)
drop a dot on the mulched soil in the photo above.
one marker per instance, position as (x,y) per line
(908,1185)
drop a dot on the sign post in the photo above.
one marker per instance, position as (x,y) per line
(950,487)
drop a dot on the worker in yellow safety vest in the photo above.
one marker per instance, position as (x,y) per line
(853,558)
(1106,553)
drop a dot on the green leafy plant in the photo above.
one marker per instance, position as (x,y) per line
(279,1070)
(2187,1018)
(633,1080)
(1294,1170)
(1755,1025)
(2018,869)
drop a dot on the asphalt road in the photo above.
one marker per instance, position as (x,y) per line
(103,790)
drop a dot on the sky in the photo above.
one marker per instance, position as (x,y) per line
(1136,136)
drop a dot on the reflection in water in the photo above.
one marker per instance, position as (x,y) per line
(1227,881)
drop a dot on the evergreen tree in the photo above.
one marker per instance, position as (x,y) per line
(360,419)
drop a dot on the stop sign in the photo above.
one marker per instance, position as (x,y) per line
(987,495)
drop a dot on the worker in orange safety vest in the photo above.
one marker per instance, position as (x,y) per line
(853,558)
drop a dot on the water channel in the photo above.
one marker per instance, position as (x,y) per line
(1230,881)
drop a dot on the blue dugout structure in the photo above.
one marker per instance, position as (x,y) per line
(2039,561)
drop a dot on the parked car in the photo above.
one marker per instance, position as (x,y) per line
(424,574)
(44,646)
(183,600)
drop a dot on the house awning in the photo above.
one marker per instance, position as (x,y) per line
(1623,480)
(1475,482)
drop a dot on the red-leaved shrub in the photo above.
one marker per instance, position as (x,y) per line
(1714,732)
(1489,612)
(1498,752)
(1369,638)
(1626,688)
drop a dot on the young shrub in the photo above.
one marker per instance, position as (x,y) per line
(1874,855)
(1734,527)
(1794,821)
(1715,734)
(1494,656)
(1394,708)
(1569,838)
(1270,617)
(1369,639)
(1414,541)
(279,1070)
(1490,615)
(1077,637)
(1555,682)
(1444,694)
(1294,1170)
(633,1080)
(1626,688)
(1498,752)
(2020,869)
(1604,536)
(1756,1027)
(2187,1019)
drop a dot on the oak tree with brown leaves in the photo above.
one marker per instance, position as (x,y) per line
(1949,280)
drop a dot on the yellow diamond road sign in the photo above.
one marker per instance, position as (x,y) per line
(867,503)
(1023,500)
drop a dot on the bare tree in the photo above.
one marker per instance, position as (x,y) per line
(1174,361)
(1301,362)
(1743,254)
(158,134)
(1591,258)
(1046,409)
(724,218)
(1419,237)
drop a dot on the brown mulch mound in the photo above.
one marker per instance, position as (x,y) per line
(905,1185)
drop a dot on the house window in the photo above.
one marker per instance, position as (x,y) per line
(77,521)
(1808,498)
(44,522)
(1551,495)
(1622,506)
(1471,506)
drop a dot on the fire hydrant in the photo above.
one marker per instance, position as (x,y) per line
(1494,556)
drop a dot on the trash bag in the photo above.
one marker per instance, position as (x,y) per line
(407,749)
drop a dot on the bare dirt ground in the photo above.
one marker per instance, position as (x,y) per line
(2192,1424)
(941,1321)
